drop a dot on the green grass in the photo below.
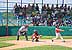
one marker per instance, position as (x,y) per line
(22,37)
(3,44)
(53,47)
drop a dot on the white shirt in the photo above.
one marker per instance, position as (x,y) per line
(23,28)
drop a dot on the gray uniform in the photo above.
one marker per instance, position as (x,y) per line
(22,31)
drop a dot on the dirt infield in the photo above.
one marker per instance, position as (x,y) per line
(23,43)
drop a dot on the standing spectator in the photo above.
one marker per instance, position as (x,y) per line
(68,10)
(29,7)
(56,9)
(65,9)
(52,7)
(33,7)
(20,12)
(61,7)
(16,10)
(24,12)
(44,7)
(48,9)
(37,7)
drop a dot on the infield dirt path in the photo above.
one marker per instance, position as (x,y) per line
(23,43)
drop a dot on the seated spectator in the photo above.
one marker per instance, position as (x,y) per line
(41,23)
(50,22)
(68,22)
(33,14)
(54,22)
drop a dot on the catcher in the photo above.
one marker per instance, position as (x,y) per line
(23,31)
(35,36)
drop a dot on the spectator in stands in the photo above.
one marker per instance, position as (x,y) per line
(52,7)
(44,8)
(48,9)
(35,20)
(29,7)
(68,10)
(56,7)
(68,7)
(37,7)
(24,11)
(50,22)
(65,9)
(68,22)
(45,21)
(33,14)
(33,7)
(53,14)
(61,7)
(16,10)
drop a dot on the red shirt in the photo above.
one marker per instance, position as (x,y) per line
(35,35)
(57,30)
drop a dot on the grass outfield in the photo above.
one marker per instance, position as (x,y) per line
(22,37)
(53,47)
(3,44)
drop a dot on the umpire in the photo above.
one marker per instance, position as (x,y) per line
(23,31)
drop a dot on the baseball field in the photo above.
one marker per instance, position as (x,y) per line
(45,43)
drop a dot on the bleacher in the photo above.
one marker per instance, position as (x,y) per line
(46,13)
